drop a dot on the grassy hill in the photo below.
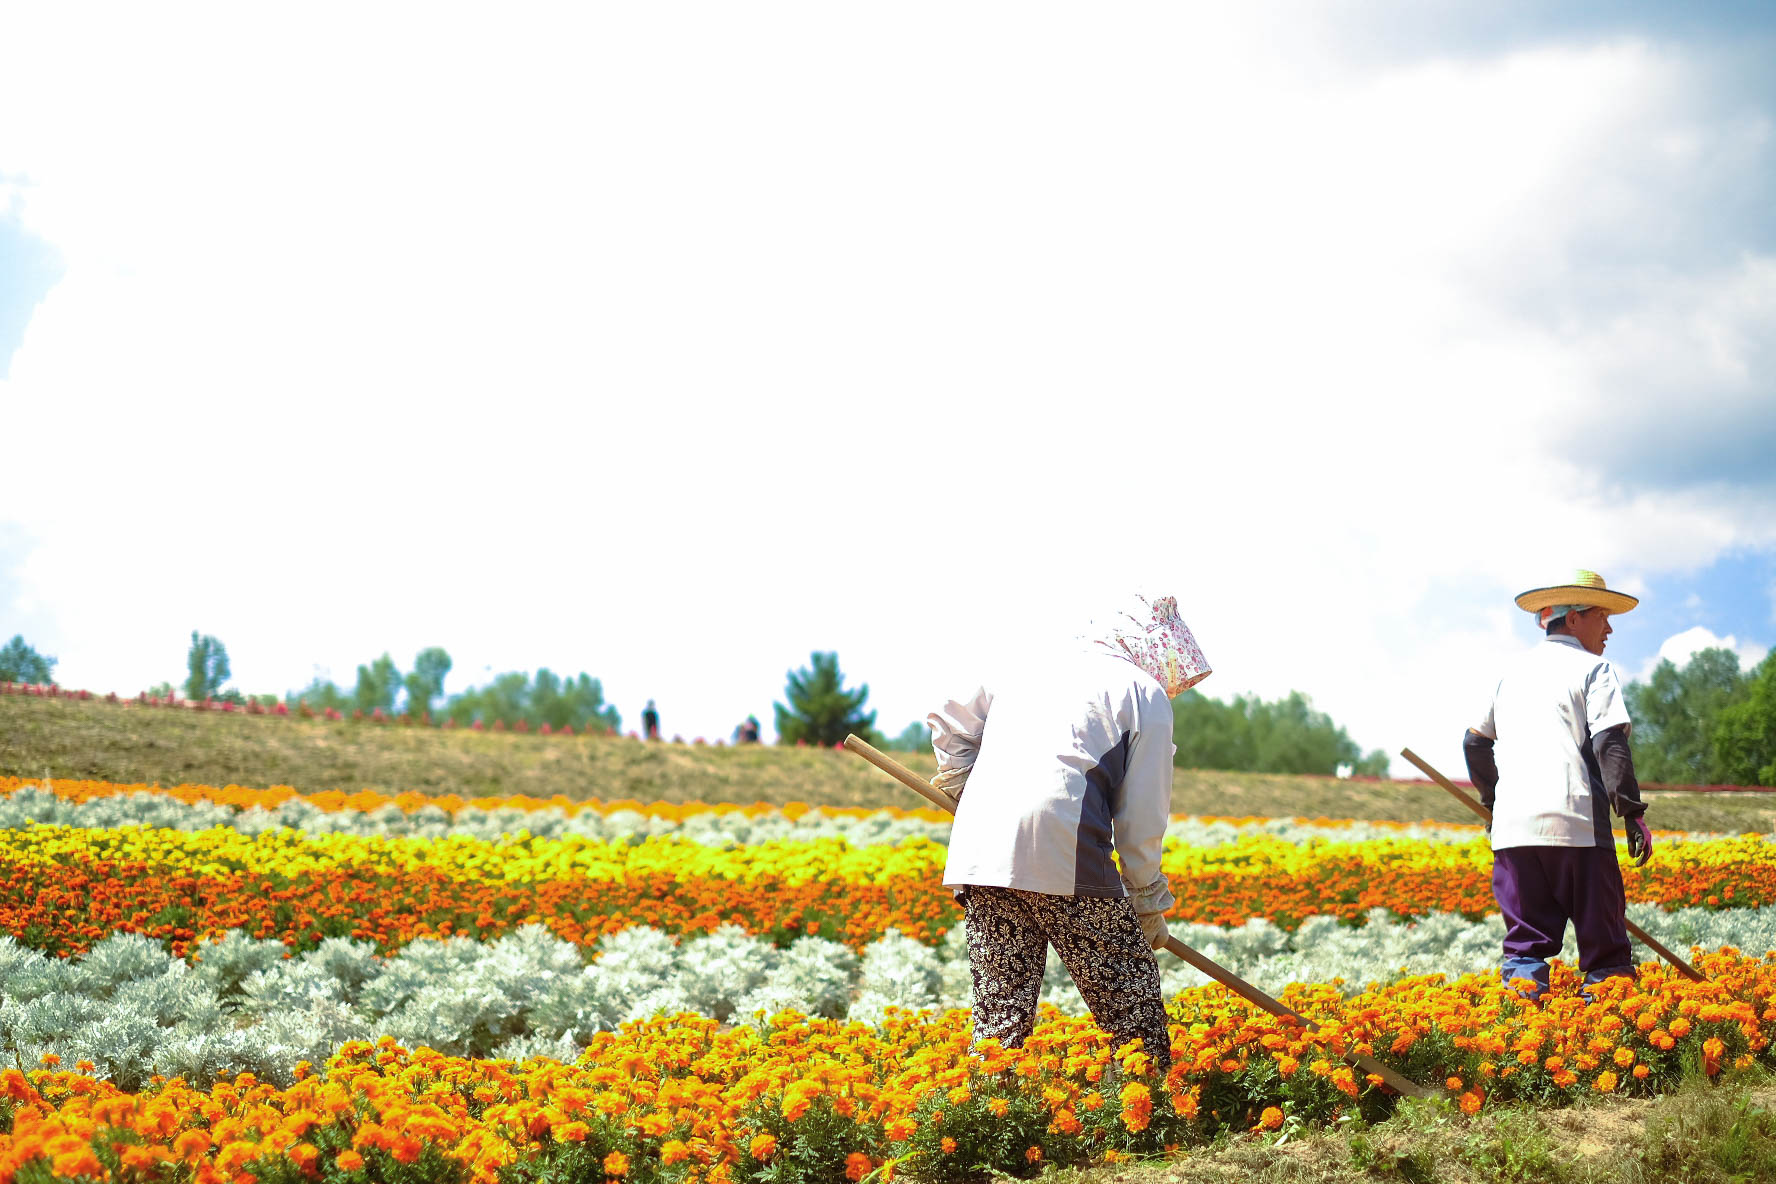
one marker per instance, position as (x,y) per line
(127,743)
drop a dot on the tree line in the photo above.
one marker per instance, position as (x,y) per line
(1707,723)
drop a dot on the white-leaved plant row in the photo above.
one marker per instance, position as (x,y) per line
(148,809)
(134,1010)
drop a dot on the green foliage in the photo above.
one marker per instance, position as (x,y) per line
(320,695)
(546,699)
(1744,738)
(206,665)
(915,737)
(821,711)
(1708,723)
(1675,713)
(1250,735)
(378,684)
(20,663)
(426,682)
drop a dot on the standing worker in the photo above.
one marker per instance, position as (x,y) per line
(1053,771)
(650,722)
(1560,723)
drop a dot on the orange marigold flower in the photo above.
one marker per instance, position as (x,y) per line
(948,1145)
(1680,1027)
(572,1132)
(1454,1083)
(1033,1154)
(674,1151)
(349,1161)
(1642,1071)
(857,1165)
(899,1130)
(616,1164)
(1471,1102)
(763,1146)
(997,1107)
(1271,1119)
(1606,1081)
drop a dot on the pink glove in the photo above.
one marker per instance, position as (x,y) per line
(1640,840)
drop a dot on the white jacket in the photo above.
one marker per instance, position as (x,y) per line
(1067,763)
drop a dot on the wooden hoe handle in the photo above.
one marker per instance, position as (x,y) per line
(1642,936)
(1214,970)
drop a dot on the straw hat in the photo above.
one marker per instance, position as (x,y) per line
(1587,588)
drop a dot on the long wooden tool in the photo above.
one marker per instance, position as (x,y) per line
(1642,936)
(1220,974)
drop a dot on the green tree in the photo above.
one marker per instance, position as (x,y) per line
(378,683)
(206,664)
(1744,738)
(20,663)
(1253,736)
(1676,713)
(426,682)
(545,699)
(320,694)
(820,709)
(915,737)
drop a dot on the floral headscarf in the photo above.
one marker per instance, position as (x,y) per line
(1152,635)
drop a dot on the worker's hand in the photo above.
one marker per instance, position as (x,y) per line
(951,781)
(1154,929)
(1640,840)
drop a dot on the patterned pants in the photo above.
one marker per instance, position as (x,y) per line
(1100,943)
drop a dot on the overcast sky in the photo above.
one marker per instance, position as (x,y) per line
(673,342)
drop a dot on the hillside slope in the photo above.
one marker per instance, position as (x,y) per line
(127,743)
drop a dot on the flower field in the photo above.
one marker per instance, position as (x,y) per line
(521,989)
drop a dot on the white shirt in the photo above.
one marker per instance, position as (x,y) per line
(1544,712)
(1067,762)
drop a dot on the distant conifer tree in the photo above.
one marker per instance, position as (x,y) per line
(821,711)
(20,663)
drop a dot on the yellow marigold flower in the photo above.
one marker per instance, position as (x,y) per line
(997,1107)
(1271,1119)
(1624,1057)
(1605,1083)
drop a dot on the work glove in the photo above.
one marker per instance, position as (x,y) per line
(951,781)
(1154,929)
(1640,840)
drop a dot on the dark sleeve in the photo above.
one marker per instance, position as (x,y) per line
(1617,764)
(1482,769)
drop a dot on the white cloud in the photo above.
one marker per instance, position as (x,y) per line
(672,344)
(1679,648)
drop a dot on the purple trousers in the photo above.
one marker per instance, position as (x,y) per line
(1540,889)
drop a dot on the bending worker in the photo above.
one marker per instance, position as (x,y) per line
(1560,725)
(1055,770)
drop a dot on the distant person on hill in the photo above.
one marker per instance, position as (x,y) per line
(1550,758)
(748,731)
(1055,769)
(650,722)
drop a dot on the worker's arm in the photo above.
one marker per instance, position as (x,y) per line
(1143,807)
(1482,768)
(1616,762)
(956,731)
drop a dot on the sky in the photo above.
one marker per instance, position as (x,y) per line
(673,343)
